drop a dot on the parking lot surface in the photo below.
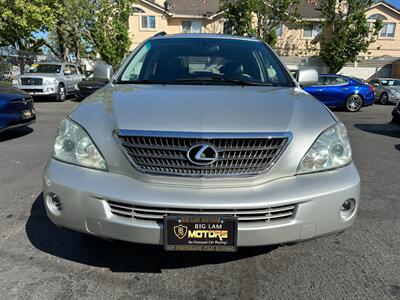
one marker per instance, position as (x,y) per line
(38,260)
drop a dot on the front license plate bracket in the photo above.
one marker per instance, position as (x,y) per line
(200,233)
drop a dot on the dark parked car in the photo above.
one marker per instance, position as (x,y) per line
(342,92)
(16,108)
(90,85)
(95,80)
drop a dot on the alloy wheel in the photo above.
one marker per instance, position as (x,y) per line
(354,103)
(384,99)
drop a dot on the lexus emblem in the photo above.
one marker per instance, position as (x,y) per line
(202,154)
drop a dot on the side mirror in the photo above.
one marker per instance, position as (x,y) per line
(307,76)
(376,84)
(103,71)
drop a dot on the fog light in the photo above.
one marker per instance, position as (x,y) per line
(54,200)
(348,208)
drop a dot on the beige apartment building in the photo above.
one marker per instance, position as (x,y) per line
(205,16)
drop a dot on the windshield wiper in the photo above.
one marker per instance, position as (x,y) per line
(143,81)
(205,80)
(222,79)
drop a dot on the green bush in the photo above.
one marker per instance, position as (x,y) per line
(5,82)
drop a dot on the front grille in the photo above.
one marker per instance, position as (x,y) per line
(25,101)
(237,154)
(31,81)
(267,214)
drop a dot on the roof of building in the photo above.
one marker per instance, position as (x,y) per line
(309,9)
(386,4)
(203,36)
(199,7)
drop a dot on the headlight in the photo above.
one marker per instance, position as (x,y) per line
(330,150)
(16,81)
(73,145)
(49,80)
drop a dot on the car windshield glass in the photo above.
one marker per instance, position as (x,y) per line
(390,82)
(205,61)
(43,68)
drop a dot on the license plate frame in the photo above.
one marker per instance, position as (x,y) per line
(207,233)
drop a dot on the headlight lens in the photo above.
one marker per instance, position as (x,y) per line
(330,150)
(49,80)
(73,145)
(16,81)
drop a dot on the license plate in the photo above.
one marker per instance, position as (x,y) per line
(26,114)
(200,233)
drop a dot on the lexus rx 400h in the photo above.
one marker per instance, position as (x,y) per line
(203,142)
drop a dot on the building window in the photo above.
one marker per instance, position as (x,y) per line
(279,31)
(149,22)
(191,26)
(376,17)
(312,30)
(388,30)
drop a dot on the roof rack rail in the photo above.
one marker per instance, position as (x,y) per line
(161,33)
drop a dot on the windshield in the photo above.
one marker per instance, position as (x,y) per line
(390,82)
(205,61)
(43,68)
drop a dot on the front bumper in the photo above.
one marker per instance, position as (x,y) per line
(18,124)
(39,90)
(84,194)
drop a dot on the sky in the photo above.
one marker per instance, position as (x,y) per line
(394,3)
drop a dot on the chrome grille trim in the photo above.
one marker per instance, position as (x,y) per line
(268,214)
(165,153)
(31,81)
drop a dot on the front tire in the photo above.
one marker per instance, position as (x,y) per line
(384,99)
(61,93)
(353,103)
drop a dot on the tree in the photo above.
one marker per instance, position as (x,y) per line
(108,30)
(21,19)
(346,31)
(69,34)
(260,18)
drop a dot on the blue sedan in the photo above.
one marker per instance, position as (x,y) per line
(16,108)
(342,92)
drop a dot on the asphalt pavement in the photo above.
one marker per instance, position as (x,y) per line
(40,261)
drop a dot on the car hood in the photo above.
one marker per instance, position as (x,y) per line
(8,93)
(208,109)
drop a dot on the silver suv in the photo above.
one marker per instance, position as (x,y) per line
(55,80)
(203,142)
